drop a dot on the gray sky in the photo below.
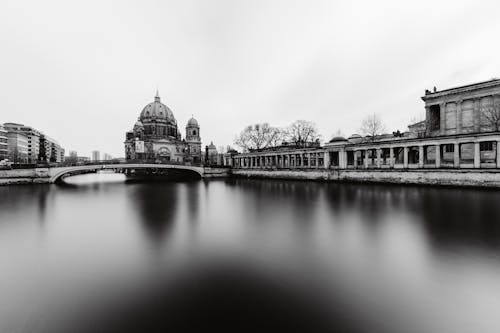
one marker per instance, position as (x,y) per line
(81,71)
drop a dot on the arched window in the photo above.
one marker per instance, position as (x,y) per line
(194,132)
(147,113)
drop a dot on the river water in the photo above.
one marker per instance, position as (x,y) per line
(103,255)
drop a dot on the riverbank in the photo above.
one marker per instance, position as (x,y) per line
(434,177)
(24,176)
(440,177)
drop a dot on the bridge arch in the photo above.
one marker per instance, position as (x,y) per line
(57,173)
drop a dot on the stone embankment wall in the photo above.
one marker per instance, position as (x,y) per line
(24,176)
(451,177)
(216,172)
(482,178)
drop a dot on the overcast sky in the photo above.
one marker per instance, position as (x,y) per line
(81,71)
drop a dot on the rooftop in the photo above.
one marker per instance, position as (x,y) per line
(460,89)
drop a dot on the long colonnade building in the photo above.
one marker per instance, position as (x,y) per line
(461,130)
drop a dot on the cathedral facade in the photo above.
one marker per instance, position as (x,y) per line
(156,138)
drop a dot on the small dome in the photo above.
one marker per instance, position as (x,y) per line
(138,124)
(337,139)
(355,136)
(192,123)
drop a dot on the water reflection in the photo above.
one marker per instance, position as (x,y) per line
(249,255)
(156,204)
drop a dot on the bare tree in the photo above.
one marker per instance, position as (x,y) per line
(492,116)
(259,136)
(276,136)
(221,149)
(301,132)
(372,126)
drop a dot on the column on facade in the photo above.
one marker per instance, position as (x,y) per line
(366,158)
(317,159)
(405,157)
(326,159)
(391,157)
(477,155)
(438,155)
(442,116)
(379,158)
(458,116)
(355,162)
(420,156)
(456,155)
(477,115)
(342,159)
(498,154)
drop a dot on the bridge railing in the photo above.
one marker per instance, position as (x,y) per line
(111,162)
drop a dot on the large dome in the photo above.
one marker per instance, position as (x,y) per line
(157,111)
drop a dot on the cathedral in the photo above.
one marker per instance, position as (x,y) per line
(155,137)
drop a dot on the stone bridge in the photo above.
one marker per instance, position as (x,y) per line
(53,174)
(57,173)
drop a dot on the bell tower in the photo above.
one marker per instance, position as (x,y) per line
(193,141)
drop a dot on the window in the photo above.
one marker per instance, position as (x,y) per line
(435,117)
(486,146)
(449,148)
(350,157)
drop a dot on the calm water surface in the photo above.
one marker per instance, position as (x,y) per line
(238,255)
